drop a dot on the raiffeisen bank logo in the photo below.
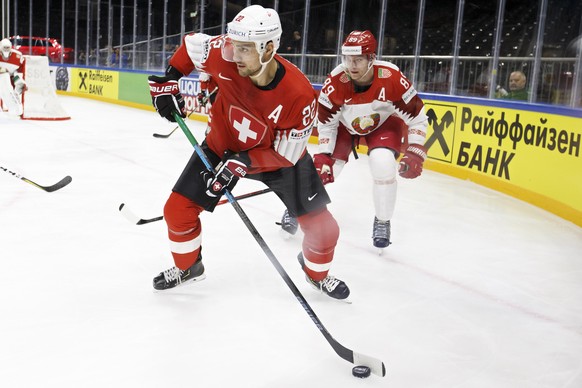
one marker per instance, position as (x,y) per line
(441,131)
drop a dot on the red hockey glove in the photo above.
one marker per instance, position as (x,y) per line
(228,174)
(324,166)
(166,96)
(411,163)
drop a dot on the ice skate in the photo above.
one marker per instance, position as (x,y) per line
(381,234)
(331,286)
(174,276)
(288,224)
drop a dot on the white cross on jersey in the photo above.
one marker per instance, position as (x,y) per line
(244,130)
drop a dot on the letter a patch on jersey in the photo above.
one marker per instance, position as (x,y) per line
(249,130)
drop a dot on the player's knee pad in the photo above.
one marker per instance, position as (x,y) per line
(182,214)
(320,230)
(383,166)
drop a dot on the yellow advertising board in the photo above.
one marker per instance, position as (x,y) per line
(533,155)
(101,84)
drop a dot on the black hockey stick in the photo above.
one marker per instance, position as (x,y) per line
(204,101)
(140,221)
(49,189)
(376,366)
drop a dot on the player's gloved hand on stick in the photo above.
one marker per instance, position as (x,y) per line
(411,163)
(202,98)
(229,172)
(166,96)
(324,166)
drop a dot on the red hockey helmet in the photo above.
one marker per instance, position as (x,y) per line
(359,43)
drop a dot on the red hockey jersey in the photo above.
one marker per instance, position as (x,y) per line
(14,64)
(361,113)
(273,123)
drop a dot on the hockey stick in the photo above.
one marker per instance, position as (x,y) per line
(140,221)
(376,366)
(204,101)
(49,189)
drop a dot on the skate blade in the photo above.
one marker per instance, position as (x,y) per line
(187,282)
(320,292)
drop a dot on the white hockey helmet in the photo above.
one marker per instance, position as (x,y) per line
(256,24)
(5,47)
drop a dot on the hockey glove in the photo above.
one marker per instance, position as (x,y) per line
(19,84)
(202,98)
(324,166)
(228,174)
(411,163)
(166,96)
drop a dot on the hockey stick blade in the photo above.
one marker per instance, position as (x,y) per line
(134,219)
(49,189)
(161,136)
(374,364)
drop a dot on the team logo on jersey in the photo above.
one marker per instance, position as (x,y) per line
(384,73)
(249,129)
(366,124)
(344,78)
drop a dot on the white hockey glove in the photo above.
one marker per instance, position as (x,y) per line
(19,84)
(198,46)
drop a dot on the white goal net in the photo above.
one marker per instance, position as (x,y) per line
(40,101)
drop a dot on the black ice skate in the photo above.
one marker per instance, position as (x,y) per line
(288,223)
(330,286)
(381,233)
(174,276)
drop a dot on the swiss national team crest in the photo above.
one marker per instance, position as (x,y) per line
(366,124)
(249,129)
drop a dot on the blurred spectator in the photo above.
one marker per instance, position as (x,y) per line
(517,90)
(82,57)
(294,46)
(114,58)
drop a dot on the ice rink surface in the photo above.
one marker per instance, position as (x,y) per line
(478,290)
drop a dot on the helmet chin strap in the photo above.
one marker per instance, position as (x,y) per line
(370,66)
(263,66)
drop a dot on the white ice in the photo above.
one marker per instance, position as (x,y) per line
(478,290)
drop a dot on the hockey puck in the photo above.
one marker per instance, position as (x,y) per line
(361,371)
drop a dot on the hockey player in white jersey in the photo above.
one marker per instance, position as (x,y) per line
(12,83)
(364,98)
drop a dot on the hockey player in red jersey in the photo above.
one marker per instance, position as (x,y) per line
(365,97)
(12,64)
(261,122)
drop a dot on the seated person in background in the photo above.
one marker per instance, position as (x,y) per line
(517,89)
